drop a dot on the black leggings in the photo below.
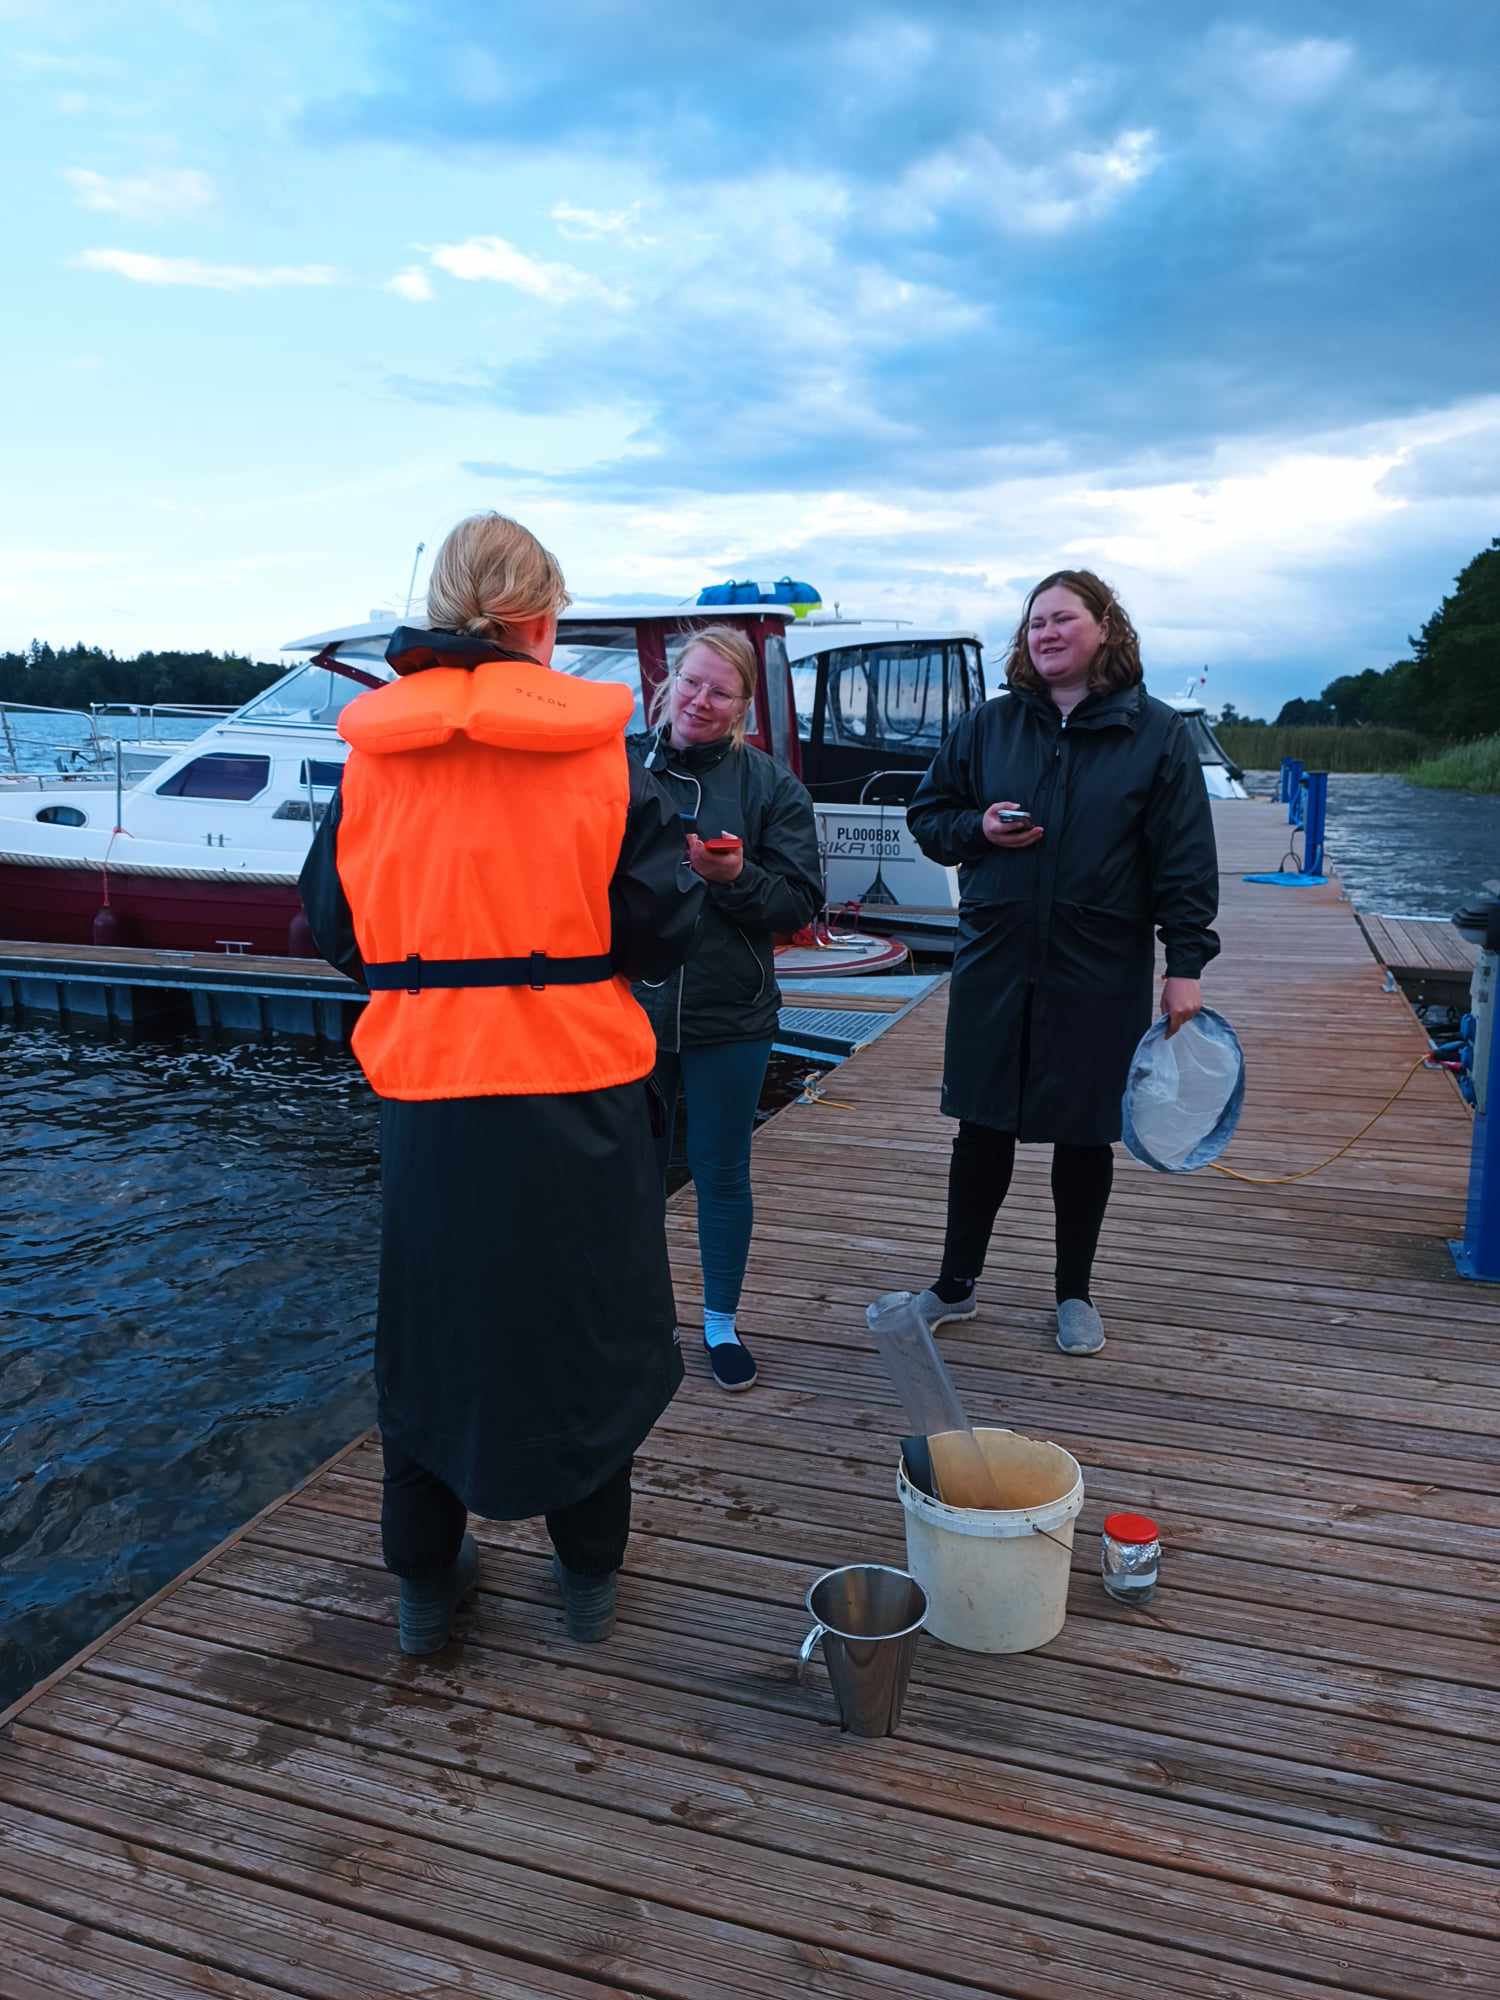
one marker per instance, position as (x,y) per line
(978,1179)
(422,1521)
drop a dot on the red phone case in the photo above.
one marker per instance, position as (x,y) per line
(724,843)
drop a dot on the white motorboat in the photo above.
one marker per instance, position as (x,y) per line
(203,851)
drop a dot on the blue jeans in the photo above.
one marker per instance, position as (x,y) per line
(721,1084)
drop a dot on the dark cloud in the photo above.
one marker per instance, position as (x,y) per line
(1457,468)
(1172,230)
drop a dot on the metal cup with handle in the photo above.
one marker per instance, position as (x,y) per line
(869,1619)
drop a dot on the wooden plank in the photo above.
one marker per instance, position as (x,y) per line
(67,1958)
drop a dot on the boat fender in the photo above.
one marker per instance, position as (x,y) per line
(109,927)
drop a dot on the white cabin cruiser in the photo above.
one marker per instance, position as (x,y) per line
(203,852)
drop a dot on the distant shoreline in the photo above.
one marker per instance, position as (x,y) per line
(1371,752)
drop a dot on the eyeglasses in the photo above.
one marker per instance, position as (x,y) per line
(715,697)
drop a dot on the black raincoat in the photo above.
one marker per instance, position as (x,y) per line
(727,991)
(526,1337)
(1052,977)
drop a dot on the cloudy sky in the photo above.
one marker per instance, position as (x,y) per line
(913,302)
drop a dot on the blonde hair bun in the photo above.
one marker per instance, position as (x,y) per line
(490,573)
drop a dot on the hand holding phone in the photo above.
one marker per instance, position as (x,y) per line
(718,859)
(1008,824)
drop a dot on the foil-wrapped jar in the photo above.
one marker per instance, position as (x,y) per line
(1130,1557)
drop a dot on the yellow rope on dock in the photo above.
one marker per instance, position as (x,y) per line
(1281,1180)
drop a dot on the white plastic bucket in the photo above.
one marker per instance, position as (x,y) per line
(997,1581)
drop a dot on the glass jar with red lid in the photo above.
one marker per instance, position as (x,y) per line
(1130,1557)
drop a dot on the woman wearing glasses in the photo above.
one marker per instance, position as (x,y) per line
(715,1019)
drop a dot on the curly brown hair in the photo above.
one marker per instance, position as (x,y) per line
(1118,663)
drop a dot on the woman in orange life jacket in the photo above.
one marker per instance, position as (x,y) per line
(496,870)
(715,1019)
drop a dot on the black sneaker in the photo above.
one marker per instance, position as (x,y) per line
(732,1363)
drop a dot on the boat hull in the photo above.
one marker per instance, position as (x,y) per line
(58,905)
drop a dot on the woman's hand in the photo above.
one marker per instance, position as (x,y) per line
(714,867)
(999,835)
(1181,999)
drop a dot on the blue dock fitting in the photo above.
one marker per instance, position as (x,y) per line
(1477,1255)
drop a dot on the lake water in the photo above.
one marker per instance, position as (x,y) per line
(186,1308)
(187,1274)
(1403,850)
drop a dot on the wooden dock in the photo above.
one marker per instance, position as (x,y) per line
(1281,1779)
(1419,947)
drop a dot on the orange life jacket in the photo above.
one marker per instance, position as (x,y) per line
(481,819)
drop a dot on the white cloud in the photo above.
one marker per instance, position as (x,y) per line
(1026,197)
(1291,73)
(591,225)
(146,270)
(163,195)
(413,283)
(491,259)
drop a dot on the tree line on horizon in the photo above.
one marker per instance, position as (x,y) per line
(1449,689)
(46,676)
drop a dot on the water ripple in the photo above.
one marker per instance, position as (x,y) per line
(188,1274)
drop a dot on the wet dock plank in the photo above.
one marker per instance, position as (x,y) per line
(1414,946)
(1279,1780)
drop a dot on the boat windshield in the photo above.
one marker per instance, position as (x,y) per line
(309,697)
(610,657)
(1205,744)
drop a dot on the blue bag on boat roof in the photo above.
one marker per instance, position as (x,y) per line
(1183,1096)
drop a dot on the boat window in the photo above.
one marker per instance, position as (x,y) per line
(805,695)
(220,775)
(976,671)
(63,816)
(777,696)
(960,696)
(308,696)
(604,653)
(911,695)
(677,645)
(315,773)
(300,809)
(849,682)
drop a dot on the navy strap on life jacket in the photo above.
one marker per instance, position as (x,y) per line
(414,973)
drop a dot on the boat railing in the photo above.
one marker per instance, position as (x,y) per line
(912,778)
(40,745)
(154,720)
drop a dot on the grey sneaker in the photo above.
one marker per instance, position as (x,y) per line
(1079,1328)
(427,1605)
(935,1312)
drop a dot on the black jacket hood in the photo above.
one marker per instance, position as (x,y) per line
(415,648)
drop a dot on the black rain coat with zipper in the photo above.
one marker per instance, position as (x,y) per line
(1053,974)
(727,990)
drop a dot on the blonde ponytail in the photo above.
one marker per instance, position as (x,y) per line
(489,573)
